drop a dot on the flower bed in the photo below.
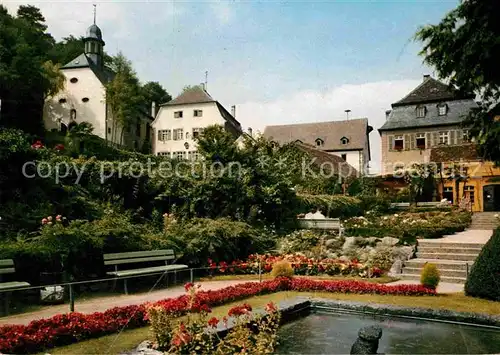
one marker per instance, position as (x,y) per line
(69,328)
(301,265)
(408,225)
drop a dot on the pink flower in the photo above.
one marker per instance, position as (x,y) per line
(44,221)
(37,145)
(59,147)
(49,218)
(58,218)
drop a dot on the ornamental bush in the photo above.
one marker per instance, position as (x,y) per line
(430,276)
(282,269)
(484,278)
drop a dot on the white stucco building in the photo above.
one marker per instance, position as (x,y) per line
(183,118)
(348,139)
(83,98)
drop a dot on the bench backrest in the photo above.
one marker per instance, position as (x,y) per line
(327,223)
(138,257)
(7,266)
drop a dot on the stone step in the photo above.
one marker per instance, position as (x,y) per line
(445,256)
(442,272)
(436,245)
(441,264)
(475,251)
(459,280)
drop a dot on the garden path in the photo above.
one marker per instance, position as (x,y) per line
(103,303)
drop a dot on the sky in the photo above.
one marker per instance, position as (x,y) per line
(279,62)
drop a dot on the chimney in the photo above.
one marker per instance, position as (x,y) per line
(426,76)
(202,86)
(233,111)
(387,113)
(250,132)
(153,109)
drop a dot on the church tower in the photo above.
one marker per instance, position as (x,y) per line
(94,44)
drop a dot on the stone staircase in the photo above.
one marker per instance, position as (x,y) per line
(484,220)
(453,260)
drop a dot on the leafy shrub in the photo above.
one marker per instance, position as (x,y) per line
(430,276)
(484,278)
(282,269)
(200,239)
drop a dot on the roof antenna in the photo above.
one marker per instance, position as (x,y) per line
(347,113)
(95,7)
(206,80)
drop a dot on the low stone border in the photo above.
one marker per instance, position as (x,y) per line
(302,306)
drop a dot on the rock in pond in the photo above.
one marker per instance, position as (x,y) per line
(367,342)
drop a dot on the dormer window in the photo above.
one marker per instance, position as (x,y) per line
(319,142)
(344,140)
(421,111)
(442,109)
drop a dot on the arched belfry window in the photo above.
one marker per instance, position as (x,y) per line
(72,115)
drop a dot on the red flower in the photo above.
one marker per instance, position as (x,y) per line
(271,307)
(188,286)
(59,147)
(213,322)
(37,145)
(240,310)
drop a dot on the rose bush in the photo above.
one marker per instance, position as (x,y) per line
(69,328)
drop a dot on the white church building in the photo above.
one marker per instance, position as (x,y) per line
(83,98)
(182,119)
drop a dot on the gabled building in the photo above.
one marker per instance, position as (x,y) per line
(182,119)
(83,98)
(348,139)
(429,116)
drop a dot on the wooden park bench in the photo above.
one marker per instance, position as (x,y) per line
(7,267)
(138,257)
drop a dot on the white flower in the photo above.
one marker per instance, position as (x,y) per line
(386,218)
(396,215)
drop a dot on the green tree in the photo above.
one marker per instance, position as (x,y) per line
(216,144)
(464,48)
(25,78)
(154,92)
(69,48)
(123,94)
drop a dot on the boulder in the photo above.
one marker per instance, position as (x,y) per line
(368,339)
(396,268)
(389,241)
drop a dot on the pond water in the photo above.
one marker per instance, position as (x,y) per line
(334,333)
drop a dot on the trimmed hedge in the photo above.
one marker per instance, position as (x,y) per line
(484,278)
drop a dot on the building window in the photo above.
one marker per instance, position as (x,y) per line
(448,194)
(420,111)
(469,193)
(442,109)
(138,129)
(343,156)
(198,113)
(164,154)
(444,138)
(73,80)
(193,155)
(85,99)
(178,134)
(72,115)
(420,140)
(344,140)
(164,135)
(466,136)
(196,132)
(399,143)
(178,114)
(109,130)
(319,142)
(62,101)
(187,135)
(181,155)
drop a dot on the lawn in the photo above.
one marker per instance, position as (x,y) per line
(127,340)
